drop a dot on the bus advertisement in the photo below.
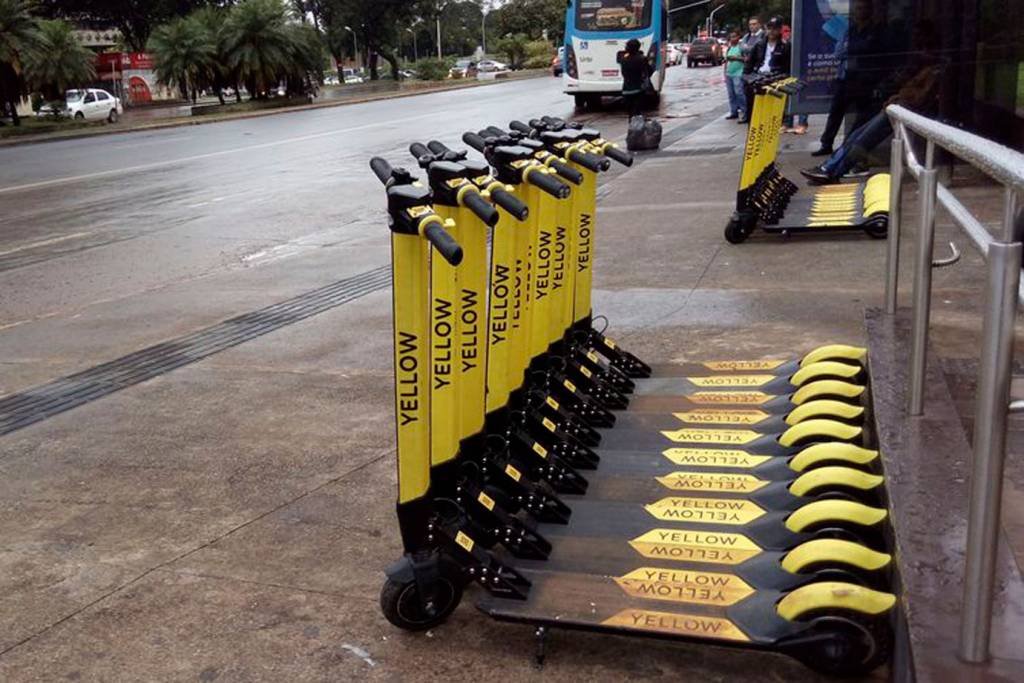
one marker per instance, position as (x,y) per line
(596,32)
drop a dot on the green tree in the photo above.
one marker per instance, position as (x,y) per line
(513,48)
(258,44)
(306,63)
(183,55)
(19,38)
(219,75)
(532,18)
(136,19)
(378,25)
(60,63)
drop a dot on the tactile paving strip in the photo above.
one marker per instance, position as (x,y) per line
(20,410)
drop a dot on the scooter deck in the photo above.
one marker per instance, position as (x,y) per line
(834,207)
(731,612)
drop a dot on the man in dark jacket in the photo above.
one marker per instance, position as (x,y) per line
(772,54)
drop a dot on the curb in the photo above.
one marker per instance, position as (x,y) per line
(215,118)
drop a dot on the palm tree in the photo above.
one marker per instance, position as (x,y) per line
(259,44)
(183,55)
(60,63)
(19,37)
(306,63)
(220,74)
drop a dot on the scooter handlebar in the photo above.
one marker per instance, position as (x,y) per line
(520,127)
(444,243)
(624,158)
(589,161)
(481,208)
(567,172)
(475,141)
(510,203)
(550,184)
(381,168)
(419,150)
(437,147)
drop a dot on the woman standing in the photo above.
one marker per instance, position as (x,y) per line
(636,75)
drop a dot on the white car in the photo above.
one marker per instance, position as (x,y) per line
(92,104)
(673,54)
(488,65)
(352,76)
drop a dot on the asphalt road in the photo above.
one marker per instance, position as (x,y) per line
(129,216)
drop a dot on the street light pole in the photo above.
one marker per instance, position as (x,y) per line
(438,18)
(711,18)
(355,47)
(484,7)
(415,50)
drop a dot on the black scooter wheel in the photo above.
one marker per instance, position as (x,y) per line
(845,644)
(734,232)
(878,230)
(400,602)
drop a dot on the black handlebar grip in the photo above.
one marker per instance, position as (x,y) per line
(550,184)
(510,203)
(482,208)
(520,127)
(475,141)
(381,168)
(567,172)
(624,158)
(437,147)
(419,150)
(444,243)
(589,161)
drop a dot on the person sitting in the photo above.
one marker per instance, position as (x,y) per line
(918,91)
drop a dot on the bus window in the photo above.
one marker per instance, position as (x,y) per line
(613,15)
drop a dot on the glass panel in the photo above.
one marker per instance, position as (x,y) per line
(613,15)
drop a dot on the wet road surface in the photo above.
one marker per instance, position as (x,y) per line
(117,217)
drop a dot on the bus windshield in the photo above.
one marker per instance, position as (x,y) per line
(613,15)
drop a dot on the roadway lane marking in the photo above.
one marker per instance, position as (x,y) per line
(44,243)
(209,155)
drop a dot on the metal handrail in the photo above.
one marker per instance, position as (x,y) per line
(1004,254)
(1000,163)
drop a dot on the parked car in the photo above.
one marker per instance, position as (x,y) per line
(489,65)
(352,76)
(90,104)
(464,68)
(673,54)
(558,62)
(704,51)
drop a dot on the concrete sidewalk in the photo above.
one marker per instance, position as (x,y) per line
(231,520)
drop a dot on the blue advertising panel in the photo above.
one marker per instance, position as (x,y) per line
(819,36)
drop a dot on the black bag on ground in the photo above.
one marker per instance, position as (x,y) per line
(643,134)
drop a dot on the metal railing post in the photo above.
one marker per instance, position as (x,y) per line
(991,408)
(892,261)
(928,187)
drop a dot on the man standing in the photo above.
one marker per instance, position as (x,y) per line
(855,78)
(734,77)
(772,54)
(747,44)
